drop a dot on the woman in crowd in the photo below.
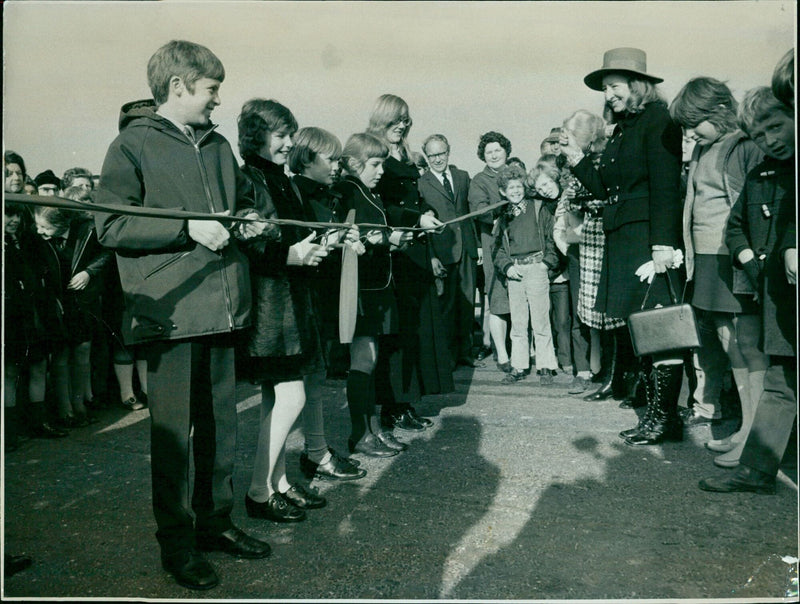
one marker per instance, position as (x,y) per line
(362,161)
(723,155)
(82,268)
(493,150)
(418,363)
(639,180)
(284,341)
(589,132)
(314,161)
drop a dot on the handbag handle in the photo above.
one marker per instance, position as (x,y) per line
(670,287)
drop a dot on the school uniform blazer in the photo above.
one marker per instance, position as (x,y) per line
(459,239)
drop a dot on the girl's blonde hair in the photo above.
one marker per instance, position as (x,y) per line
(359,148)
(588,129)
(388,110)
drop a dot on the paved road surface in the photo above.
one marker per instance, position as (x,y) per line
(517,492)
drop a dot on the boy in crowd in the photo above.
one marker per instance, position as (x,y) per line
(762,238)
(187,292)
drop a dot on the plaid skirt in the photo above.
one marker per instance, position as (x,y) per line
(592,247)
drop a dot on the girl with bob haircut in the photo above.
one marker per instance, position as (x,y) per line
(722,157)
(283,345)
(638,178)
(412,364)
(362,160)
(186,60)
(315,161)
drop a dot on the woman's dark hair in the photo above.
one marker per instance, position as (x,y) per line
(493,137)
(9,157)
(259,118)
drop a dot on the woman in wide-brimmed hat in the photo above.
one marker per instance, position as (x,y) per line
(638,177)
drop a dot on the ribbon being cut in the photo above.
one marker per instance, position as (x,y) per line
(349,275)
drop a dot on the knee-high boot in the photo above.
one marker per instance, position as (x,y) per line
(608,359)
(647,378)
(361,404)
(665,424)
(635,387)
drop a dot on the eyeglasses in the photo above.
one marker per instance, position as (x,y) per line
(438,155)
(405,121)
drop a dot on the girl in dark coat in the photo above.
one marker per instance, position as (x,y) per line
(419,362)
(639,179)
(32,320)
(362,159)
(82,262)
(284,339)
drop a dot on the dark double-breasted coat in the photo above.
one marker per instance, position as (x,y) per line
(639,179)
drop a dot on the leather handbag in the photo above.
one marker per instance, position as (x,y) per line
(663,329)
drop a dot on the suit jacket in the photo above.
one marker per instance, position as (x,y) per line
(457,239)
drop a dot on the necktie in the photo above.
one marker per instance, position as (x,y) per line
(446,183)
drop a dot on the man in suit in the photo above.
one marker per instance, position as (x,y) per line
(444,188)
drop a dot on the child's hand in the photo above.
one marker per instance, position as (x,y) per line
(790,263)
(209,233)
(374,236)
(306,253)
(398,238)
(513,273)
(79,281)
(248,230)
(427,221)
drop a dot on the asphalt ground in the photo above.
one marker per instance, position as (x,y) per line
(517,492)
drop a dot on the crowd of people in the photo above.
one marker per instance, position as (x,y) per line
(641,200)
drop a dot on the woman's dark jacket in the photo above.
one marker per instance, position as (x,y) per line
(282,322)
(639,175)
(638,178)
(764,219)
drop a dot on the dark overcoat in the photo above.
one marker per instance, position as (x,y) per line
(639,179)
(764,219)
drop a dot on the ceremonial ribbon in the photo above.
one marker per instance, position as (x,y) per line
(70,204)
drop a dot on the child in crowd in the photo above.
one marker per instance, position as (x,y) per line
(523,253)
(362,158)
(82,266)
(314,159)
(284,343)
(722,157)
(545,182)
(187,293)
(762,239)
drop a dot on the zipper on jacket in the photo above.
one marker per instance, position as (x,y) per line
(164,265)
(210,200)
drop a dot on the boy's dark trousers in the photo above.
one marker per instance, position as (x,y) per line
(191,383)
(775,417)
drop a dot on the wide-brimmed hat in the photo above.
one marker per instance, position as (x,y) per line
(554,135)
(621,60)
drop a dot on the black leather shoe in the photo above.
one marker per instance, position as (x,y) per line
(235,542)
(304,499)
(276,508)
(336,468)
(370,445)
(47,430)
(470,362)
(743,480)
(483,352)
(422,420)
(190,569)
(388,439)
(406,421)
(14,564)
